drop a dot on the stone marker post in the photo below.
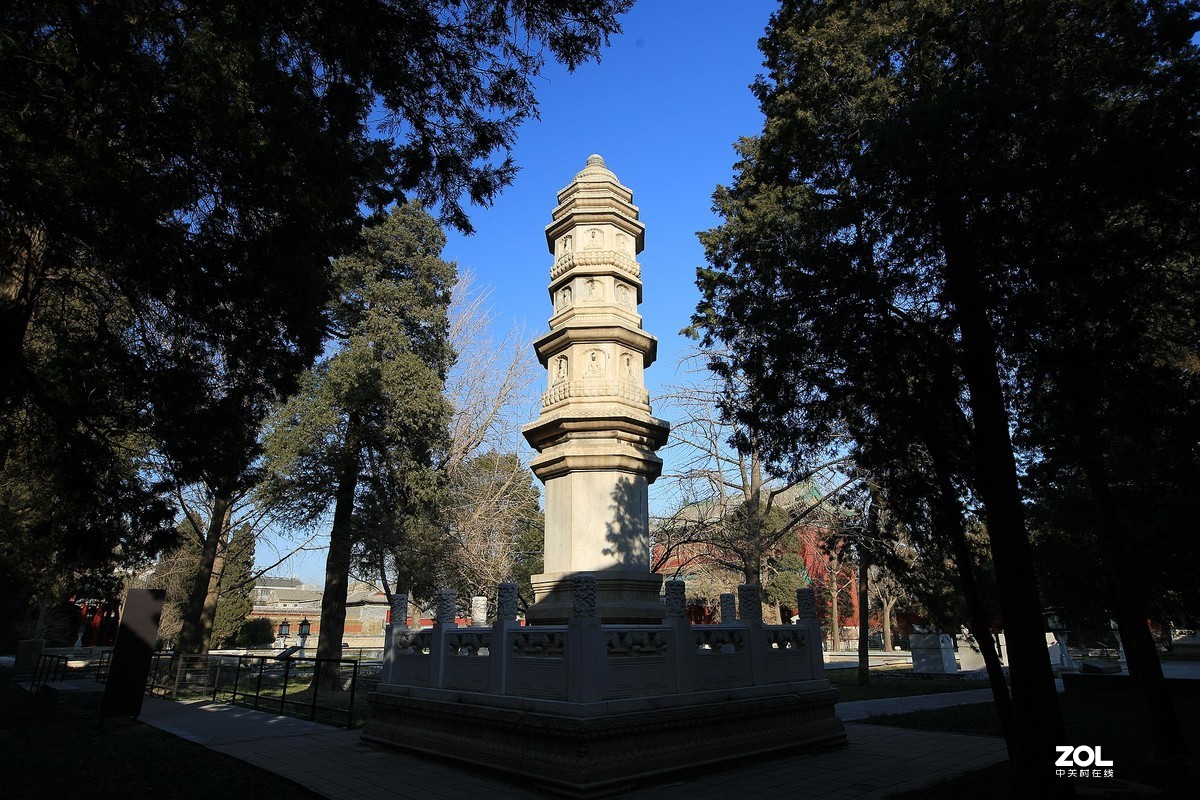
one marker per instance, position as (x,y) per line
(479,612)
(676,606)
(500,653)
(586,653)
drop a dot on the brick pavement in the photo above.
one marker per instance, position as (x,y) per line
(876,762)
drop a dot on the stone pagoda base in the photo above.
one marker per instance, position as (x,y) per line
(622,597)
(588,709)
(587,750)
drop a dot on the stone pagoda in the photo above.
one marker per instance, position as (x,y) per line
(596,436)
(611,686)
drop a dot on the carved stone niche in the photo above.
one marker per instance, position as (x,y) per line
(593,239)
(595,363)
(624,295)
(626,366)
(624,245)
(563,298)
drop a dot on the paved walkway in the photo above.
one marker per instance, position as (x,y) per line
(878,760)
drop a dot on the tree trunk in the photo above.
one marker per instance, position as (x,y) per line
(888,606)
(1037,719)
(1144,665)
(208,614)
(337,566)
(196,631)
(835,622)
(864,612)
(949,523)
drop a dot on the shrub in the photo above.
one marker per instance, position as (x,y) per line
(256,632)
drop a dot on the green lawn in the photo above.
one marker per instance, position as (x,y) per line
(1114,721)
(895,682)
(48,755)
(331,706)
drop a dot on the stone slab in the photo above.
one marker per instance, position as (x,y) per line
(970,657)
(29,653)
(933,653)
(70,698)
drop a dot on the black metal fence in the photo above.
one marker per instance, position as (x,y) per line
(290,686)
(265,682)
(50,668)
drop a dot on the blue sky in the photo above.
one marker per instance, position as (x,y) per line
(664,107)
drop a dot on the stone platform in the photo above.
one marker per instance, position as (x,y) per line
(588,709)
(587,750)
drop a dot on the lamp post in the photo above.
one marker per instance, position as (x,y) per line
(305,629)
(285,630)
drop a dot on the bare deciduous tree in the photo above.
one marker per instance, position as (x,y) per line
(493,502)
(729,510)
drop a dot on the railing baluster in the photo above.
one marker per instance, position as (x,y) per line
(353,685)
(287,668)
(237,674)
(262,663)
(316,688)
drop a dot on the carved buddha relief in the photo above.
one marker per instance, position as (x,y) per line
(567,242)
(560,369)
(595,291)
(624,295)
(595,239)
(595,364)
(627,366)
(563,298)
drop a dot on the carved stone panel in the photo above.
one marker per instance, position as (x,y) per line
(624,295)
(400,610)
(583,592)
(806,603)
(728,608)
(595,366)
(627,366)
(749,607)
(676,598)
(445,606)
(594,289)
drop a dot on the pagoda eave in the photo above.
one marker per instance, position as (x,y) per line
(555,341)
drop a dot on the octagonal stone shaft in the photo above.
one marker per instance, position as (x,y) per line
(596,437)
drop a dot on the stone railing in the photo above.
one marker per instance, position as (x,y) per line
(587,661)
(469,643)
(595,387)
(412,642)
(719,639)
(537,642)
(640,642)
